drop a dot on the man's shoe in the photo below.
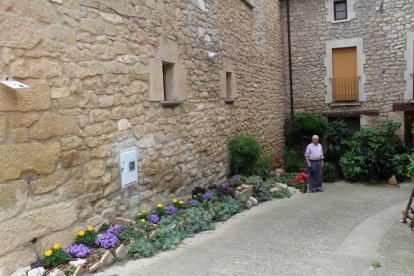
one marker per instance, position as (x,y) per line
(313,190)
(319,189)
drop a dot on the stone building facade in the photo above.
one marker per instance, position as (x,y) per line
(172,80)
(382,35)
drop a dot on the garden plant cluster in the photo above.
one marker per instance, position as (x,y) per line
(164,227)
(369,154)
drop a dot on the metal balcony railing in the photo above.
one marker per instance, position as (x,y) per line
(345,89)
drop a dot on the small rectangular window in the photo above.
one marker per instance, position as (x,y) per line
(229,92)
(168,78)
(340,10)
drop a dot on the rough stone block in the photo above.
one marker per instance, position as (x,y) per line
(36,97)
(3,128)
(168,50)
(120,252)
(22,120)
(16,259)
(29,32)
(49,183)
(12,198)
(94,168)
(20,135)
(60,92)
(107,258)
(51,125)
(34,224)
(40,158)
(42,10)
(156,86)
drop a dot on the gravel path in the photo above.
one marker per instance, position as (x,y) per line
(338,232)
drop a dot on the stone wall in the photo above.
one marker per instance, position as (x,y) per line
(384,35)
(87,65)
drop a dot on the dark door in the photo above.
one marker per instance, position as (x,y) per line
(408,128)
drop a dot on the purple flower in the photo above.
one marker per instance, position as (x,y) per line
(171,210)
(78,250)
(224,185)
(115,229)
(154,218)
(208,196)
(107,240)
(194,202)
(236,176)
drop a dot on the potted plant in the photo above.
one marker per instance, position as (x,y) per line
(300,182)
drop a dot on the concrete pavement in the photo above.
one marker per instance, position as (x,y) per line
(338,232)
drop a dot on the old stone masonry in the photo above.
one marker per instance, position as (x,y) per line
(162,85)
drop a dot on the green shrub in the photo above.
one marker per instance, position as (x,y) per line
(243,201)
(130,232)
(55,256)
(370,153)
(410,167)
(333,153)
(86,237)
(351,166)
(292,161)
(300,128)
(141,247)
(225,208)
(195,219)
(337,131)
(263,166)
(329,173)
(244,154)
(261,191)
(399,164)
(282,193)
(165,238)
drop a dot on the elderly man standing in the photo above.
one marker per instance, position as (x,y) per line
(314,158)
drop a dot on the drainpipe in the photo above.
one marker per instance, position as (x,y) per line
(290,58)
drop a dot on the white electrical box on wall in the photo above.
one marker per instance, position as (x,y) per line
(129,167)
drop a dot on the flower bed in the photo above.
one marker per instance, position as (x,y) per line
(162,228)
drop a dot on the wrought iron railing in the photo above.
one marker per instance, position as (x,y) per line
(345,89)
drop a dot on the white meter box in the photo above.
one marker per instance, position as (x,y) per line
(129,167)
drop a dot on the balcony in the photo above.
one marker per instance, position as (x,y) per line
(345,90)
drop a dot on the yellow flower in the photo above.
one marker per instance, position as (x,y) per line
(81,233)
(175,200)
(142,220)
(90,228)
(159,205)
(181,202)
(56,246)
(48,253)
(144,212)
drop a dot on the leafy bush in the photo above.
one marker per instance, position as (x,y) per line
(302,126)
(141,247)
(333,153)
(337,131)
(261,191)
(243,201)
(281,193)
(131,232)
(225,208)
(410,167)
(165,238)
(329,173)
(86,237)
(371,152)
(263,166)
(399,164)
(55,256)
(195,219)
(244,154)
(292,161)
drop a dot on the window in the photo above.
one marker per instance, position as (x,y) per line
(229,92)
(340,10)
(168,80)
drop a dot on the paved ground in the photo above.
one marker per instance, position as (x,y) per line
(338,232)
